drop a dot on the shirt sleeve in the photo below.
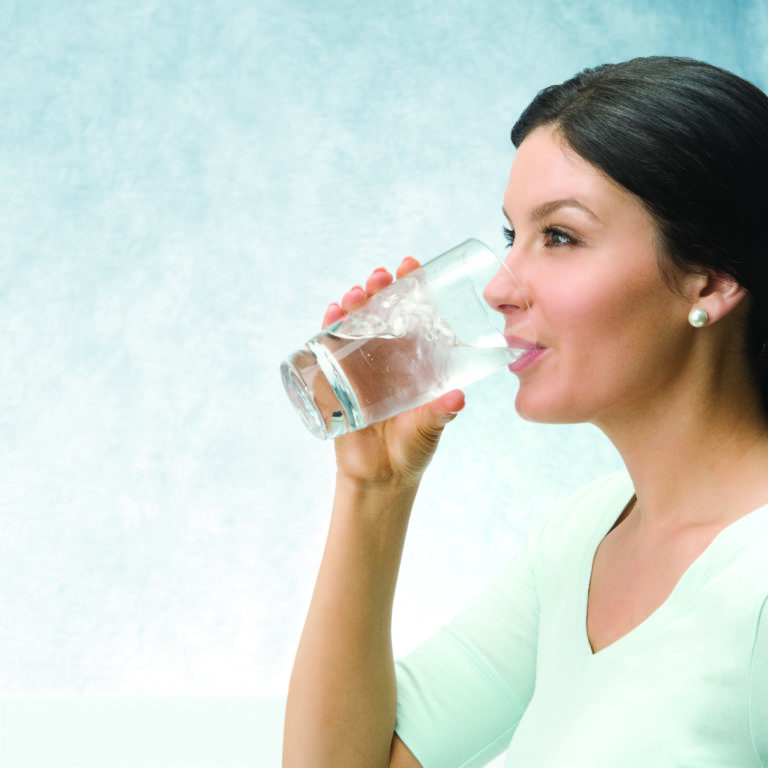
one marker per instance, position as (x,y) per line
(462,693)
(758,693)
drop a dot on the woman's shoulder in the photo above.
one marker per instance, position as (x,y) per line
(592,504)
(585,515)
(604,491)
(748,540)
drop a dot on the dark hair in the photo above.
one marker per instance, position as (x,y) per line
(690,140)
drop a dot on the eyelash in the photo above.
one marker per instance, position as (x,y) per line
(551,232)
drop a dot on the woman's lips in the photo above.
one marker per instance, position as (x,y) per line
(531,352)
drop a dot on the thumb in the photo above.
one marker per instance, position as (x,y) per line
(429,421)
(432,418)
(444,409)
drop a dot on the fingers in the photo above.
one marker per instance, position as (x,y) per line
(354,299)
(332,314)
(357,296)
(408,265)
(378,280)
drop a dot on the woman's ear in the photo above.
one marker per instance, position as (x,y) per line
(716,293)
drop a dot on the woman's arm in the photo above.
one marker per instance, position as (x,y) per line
(342,697)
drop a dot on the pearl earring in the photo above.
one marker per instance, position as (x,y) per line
(698,318)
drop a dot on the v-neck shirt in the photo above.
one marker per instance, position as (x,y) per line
(688,686)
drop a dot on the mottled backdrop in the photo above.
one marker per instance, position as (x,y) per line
(184,186)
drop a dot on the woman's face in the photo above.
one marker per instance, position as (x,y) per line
(610,333)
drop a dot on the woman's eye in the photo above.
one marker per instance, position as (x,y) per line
(555,237)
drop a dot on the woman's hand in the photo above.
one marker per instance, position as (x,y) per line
(395,451)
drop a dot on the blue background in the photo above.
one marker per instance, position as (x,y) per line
(185,185)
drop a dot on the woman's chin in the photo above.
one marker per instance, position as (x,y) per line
(535,408)
(528,411)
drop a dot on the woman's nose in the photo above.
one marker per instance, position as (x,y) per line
(505,291)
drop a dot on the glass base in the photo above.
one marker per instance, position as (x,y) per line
(315,398)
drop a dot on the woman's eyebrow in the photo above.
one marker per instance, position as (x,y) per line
(548,208)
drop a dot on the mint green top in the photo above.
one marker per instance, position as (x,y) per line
(687,688)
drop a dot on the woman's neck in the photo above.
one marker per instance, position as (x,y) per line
(701,459)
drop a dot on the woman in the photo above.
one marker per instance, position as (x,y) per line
(633,628)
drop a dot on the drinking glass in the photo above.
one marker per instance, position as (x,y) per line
(425,334)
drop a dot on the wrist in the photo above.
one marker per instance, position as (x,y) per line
(387,486)
(385,504)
